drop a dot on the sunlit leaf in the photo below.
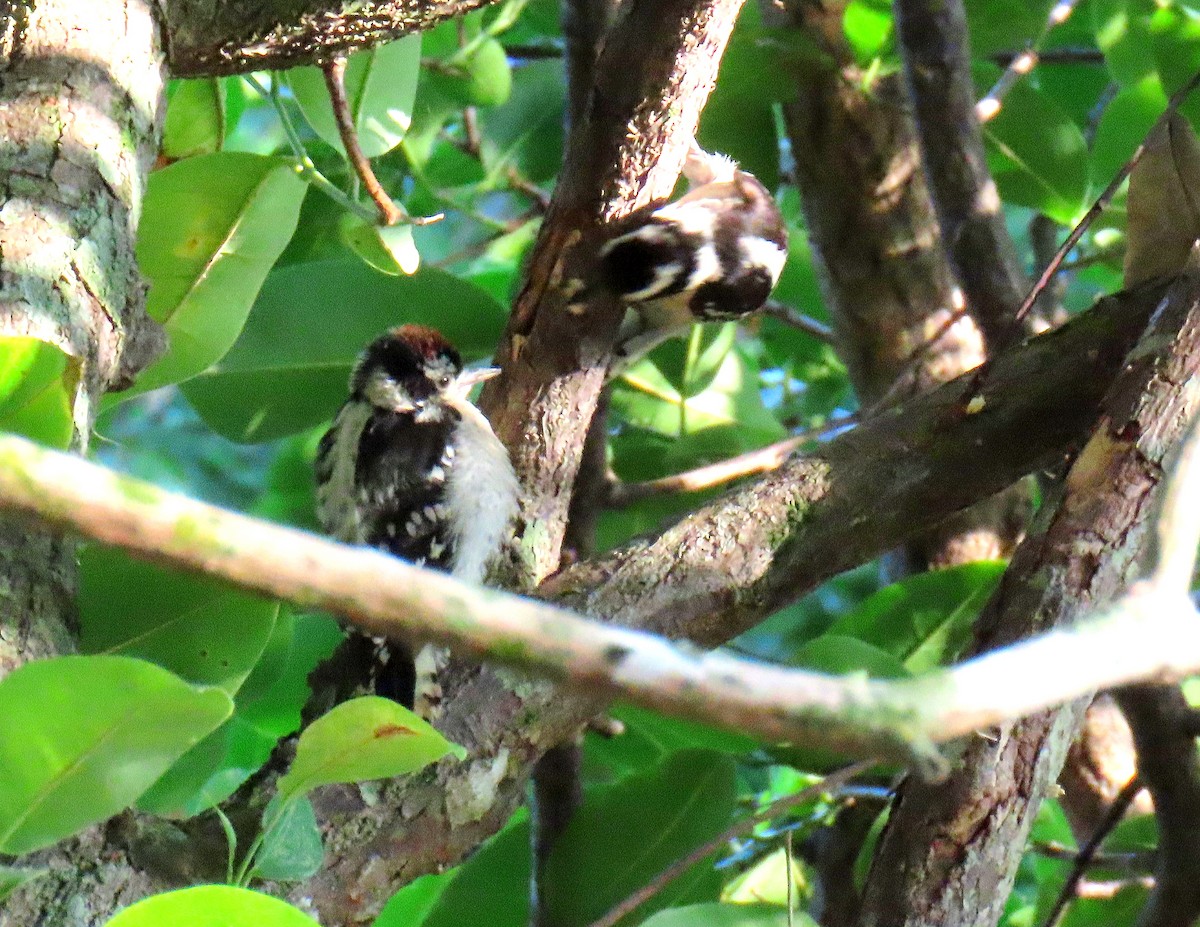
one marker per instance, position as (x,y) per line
(82,737)
(212,227)
(37,387)
(212,906)
(381,84)
(195,122)
(729,915)
(366,738)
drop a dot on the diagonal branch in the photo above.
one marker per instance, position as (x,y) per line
(234,37)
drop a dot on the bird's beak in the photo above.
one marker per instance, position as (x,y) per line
(465,381)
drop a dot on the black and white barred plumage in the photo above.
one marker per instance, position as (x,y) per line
(412,467)
(714,254)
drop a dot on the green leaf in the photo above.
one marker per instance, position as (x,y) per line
(212,227)
(843,656)
(924,620)
(288,370)
(491,888)
(83,737)
(212,906)
(728,915)
(381,84)
(364,738)
(292,849)
(1038,155)
(1123,126)
(195,122)
(1175,34)
(389,249)
(13,877)
(1002,25)
(411,906)
(484,79)
(649,738)
(200,629)
(1122,29)
(268,708)
(647,398)
(633,830)
(36,390)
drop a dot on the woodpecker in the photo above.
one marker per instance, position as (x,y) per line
(714,254)
(410,466)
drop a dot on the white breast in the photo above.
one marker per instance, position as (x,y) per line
(481,494)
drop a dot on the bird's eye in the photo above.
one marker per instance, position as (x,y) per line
(443,382)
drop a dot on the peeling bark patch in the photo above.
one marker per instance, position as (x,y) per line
(470,797)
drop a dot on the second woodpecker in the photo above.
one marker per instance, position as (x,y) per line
(714,254)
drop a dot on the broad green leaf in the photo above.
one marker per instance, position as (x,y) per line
(842,655)
(201,629)
(1004,25)
(528,130)
(492,887)
(1123,126)
(288,370)
(924,620)
(366,738)
(633,830)
(212,906)
(410,906)
(1175,33)
(1038,155)
(1122,29)
(13,877)
(268,708)
(646,398)
(212,227)
(729,915)
(389,249)
(649,738)
(483,79)
(381,84)
(83,737)
(37,390)
(195,122)
(869,28)
(292,849)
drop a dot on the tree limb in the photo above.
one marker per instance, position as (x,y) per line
(217,37)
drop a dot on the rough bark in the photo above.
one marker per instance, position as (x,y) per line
(80,86)
(214,37)
(949,854)
(937,66)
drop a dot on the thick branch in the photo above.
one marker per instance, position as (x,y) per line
(653,77)
(215,37)
(949,855)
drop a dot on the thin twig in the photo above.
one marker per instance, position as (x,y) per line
(389,213)
(1104,199)
(776,809)
(1116,811)
(1023,62)
(763,460)
(795,319)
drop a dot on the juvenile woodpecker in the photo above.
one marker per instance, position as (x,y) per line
(714,254)
(410,466)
